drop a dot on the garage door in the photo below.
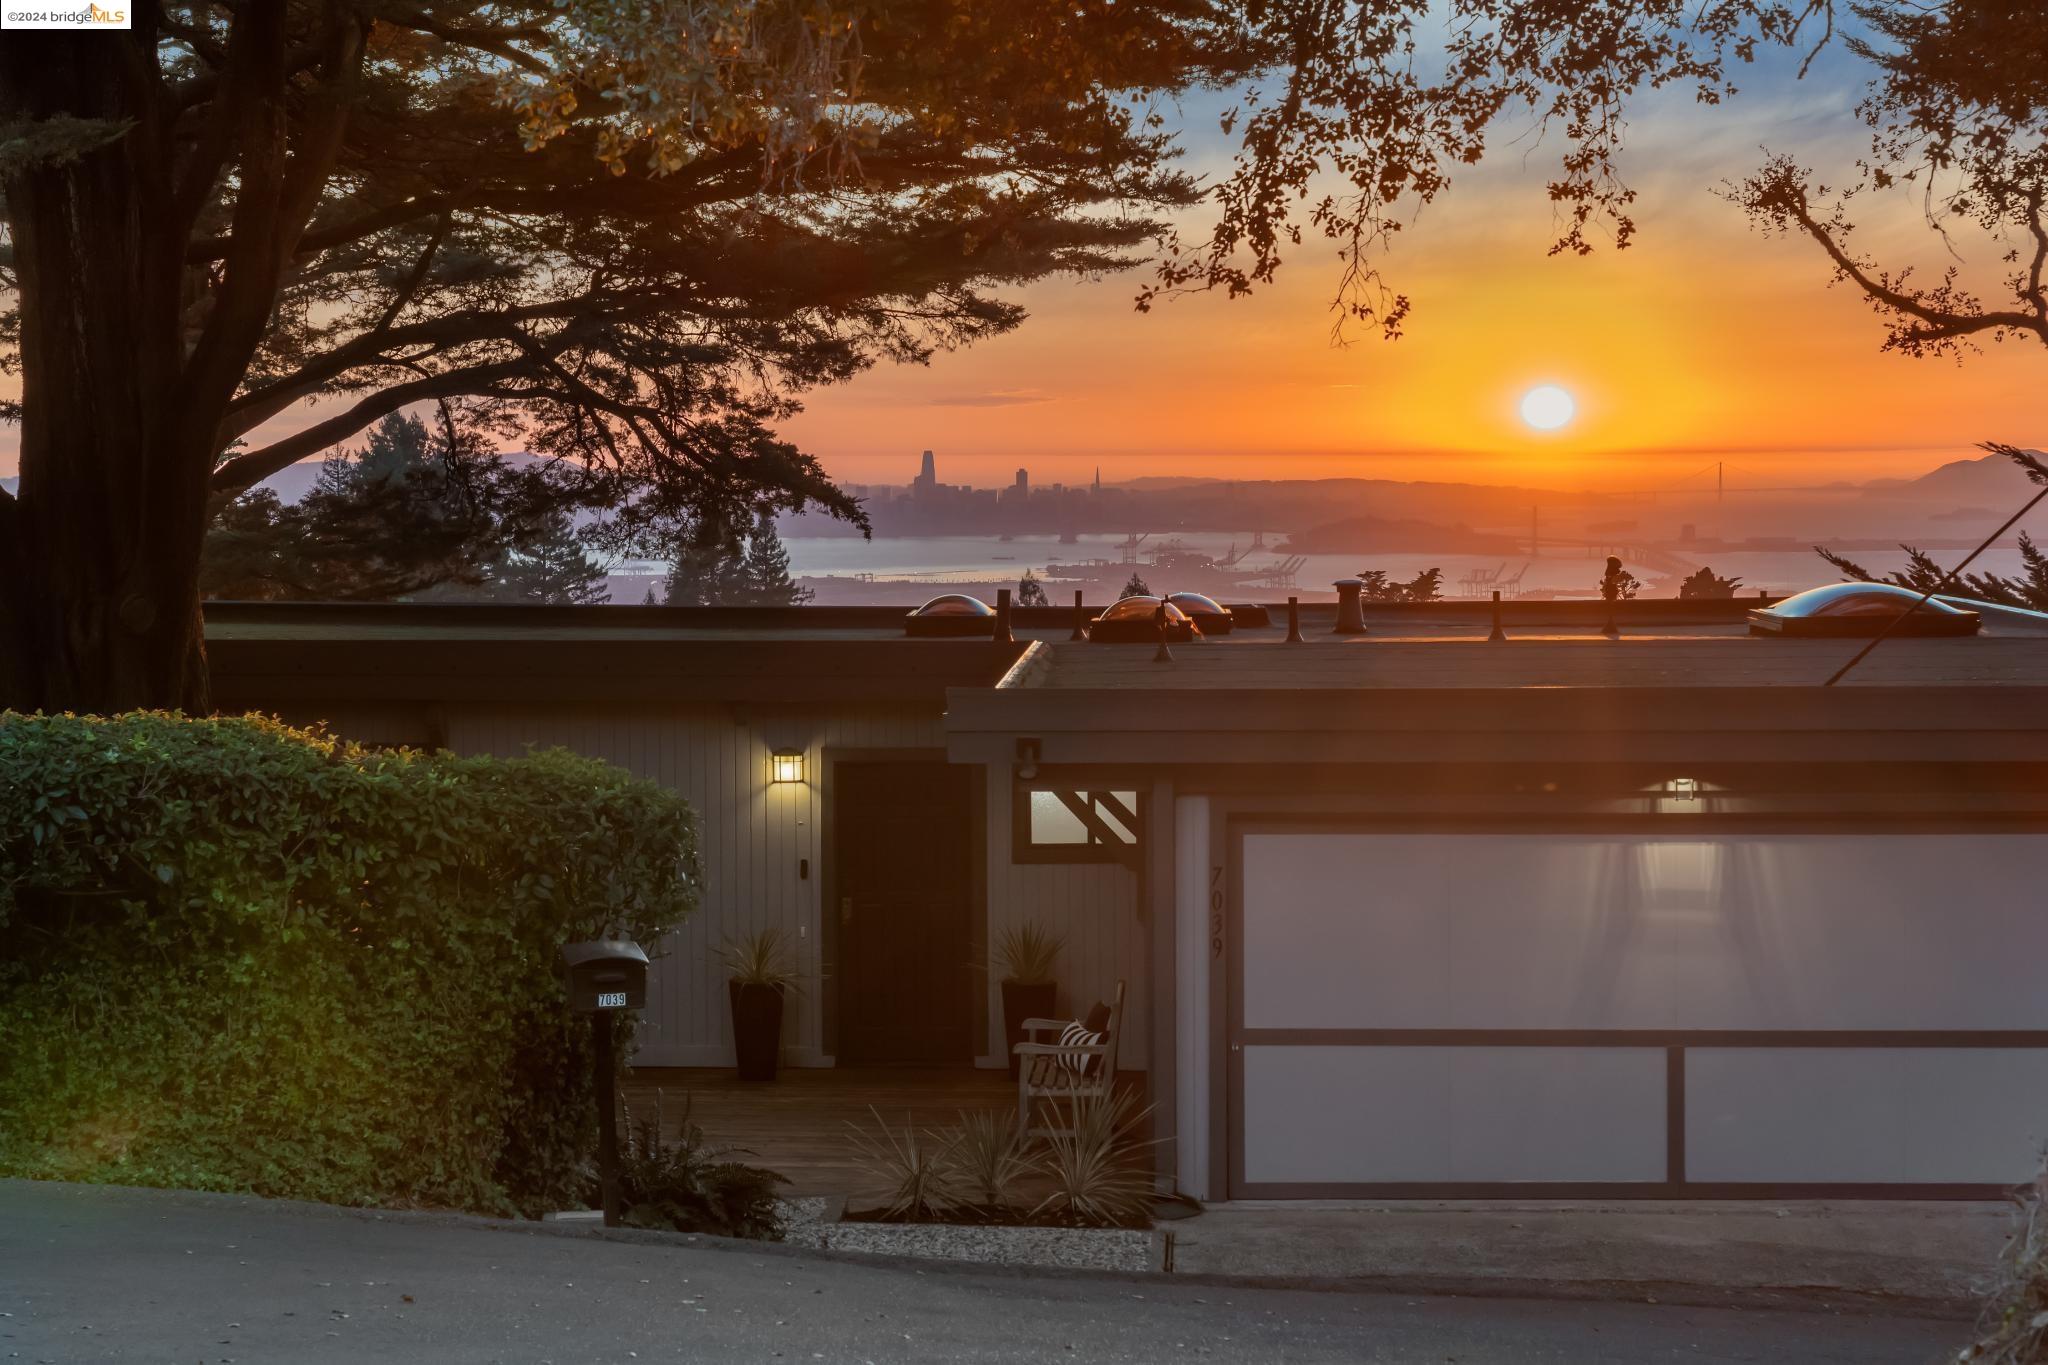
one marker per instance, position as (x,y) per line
(1445,1014)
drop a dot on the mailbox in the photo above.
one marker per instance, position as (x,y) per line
(605,975)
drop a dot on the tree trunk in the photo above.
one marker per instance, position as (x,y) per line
(99,550)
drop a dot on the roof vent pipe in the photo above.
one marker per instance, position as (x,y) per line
(1350,614)
(1003,635)
(1294,622)
(1165,655)
(1498,634)
(1080,619)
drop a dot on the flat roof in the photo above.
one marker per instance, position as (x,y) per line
(269,653)
(1462,658)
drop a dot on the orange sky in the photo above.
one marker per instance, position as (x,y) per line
(1706,341)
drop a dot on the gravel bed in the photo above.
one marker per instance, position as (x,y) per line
(1124,1249)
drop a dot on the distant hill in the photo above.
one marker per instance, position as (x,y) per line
(1989,479)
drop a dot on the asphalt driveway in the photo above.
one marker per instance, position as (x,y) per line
(130,1275)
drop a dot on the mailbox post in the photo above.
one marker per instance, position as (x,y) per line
(605,977)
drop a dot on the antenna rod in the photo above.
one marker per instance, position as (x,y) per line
(1925,597)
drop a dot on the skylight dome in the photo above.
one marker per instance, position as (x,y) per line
(951,614)
(1861,609)
(1210,616)
(1134,620)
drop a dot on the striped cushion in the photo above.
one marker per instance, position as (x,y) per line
(1079,1035)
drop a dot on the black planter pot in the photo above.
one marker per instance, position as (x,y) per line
(1022,1001)
(756,1029)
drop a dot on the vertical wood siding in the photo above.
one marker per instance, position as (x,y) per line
(1094,905)
(752,835)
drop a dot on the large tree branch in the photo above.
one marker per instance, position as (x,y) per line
(548,199)
(1936,324)
(497,42)
(239,472)
(430,337)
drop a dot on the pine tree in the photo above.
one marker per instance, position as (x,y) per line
(1135,588)
(394,519)
(709,569)
(766,569)
(1030,590)
(549,566)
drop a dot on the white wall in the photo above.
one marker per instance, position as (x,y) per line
(1191,942)
(1094,905)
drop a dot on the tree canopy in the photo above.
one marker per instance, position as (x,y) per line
(624,237)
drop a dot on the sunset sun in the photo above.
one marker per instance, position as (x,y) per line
(1547,407)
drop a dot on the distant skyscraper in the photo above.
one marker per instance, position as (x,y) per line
(1096,487)
(927,476)
(1023,481)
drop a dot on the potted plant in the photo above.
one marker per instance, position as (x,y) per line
(1027,955)
(761,975)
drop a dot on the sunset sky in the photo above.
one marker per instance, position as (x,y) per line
(1704,341)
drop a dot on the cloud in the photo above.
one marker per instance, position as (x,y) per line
(994,398)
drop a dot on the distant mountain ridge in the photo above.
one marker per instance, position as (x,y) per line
(1988,478)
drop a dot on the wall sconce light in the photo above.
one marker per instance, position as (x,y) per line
(1027,759)
(1685,788)
(786,765)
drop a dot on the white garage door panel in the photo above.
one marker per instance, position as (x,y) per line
(1934,1115)
(1777,931)
(1358,1115)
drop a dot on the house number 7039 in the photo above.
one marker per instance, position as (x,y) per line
(611,1000)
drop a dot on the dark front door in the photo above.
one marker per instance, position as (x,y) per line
(903,852)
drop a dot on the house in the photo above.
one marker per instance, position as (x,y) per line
(1409,914)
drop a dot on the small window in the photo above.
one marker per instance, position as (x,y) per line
(1061,825)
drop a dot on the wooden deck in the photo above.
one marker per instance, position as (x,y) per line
(797,1124)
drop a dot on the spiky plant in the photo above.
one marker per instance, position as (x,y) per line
(688,1184)
(1029,953)
(988,1157)
(912,1163)
(760,958)
(2014,1327)
(1099,1174)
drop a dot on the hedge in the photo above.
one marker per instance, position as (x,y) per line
(240,956)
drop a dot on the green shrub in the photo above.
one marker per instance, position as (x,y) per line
(239,956)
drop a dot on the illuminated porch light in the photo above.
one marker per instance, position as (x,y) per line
(786,765)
